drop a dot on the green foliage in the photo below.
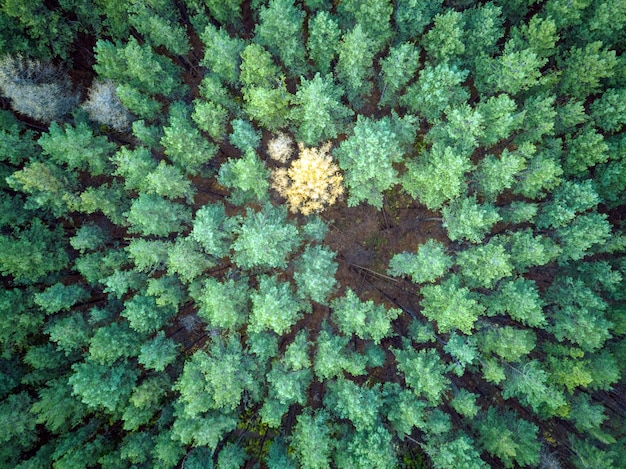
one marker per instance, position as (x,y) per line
(315,273)
(577,314)
(183,143)
(103,386)
(311,441)
(466,219)
(151,214)
(324,35)
(365,319)
(608,110)
(509,438)
(215,378)
(436,88)
(437,176)
(211,117)
(60,297)
(412,16)
(247,176)
(444,42)
(274,307)
(158,352)
(507,342)
(495,175)
(483,266)
(427,265)
(264,239)
(318,113)
(212,229)
(144,315)
(451,306)
(459,452)
(423,372)
(358,404)
(223,304)
(280,30)
(244,136)
(222,53)
(513,71)
(354,65)
(332,357)
(159,23)
(367,157)
(186,259)
(397,69)
(519,299)
(586,231)
(113,342)
(583,68)
(584,150)
(568,199)
(138,66)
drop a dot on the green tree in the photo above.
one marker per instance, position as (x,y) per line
(585,149)
(355,64)
(280,30)
(144,315)
(577,314)
(466,219)
(435,89)
(246,176)
(367,157)
(265,238)
(509,438)
(223,304)
(212,229)
(397,69)
(244,136)
(222,53)
(429,263)
(437,176)
(159,22)
(608,110)
(274,307)
(583,68)
(215,378)
(519,298)
(183,143)
(365,319)
(451,306)
(157,353)
(423,372)
(60,297)
(332,356)
(113,342)
(151,214)
(501,118)
(324,35)
(137,65)
(495,175)
(484,265)
(318,113)
(412,16)
(311,439)
(444,41)
(509,343)
(315,273)
(569,199)
(103,386)
(360,405)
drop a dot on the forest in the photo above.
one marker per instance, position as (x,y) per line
(313,234)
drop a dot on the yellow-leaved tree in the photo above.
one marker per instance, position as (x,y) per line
(312,182)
